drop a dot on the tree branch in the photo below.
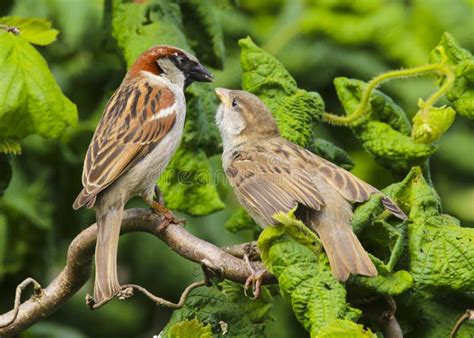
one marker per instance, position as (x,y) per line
(79,260)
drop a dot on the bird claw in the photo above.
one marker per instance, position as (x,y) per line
(125,293)
(254,279)
(168,218)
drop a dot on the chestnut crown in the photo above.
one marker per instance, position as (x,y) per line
(165,60)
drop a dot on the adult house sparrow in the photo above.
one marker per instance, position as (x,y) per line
(270,174)
(138,133)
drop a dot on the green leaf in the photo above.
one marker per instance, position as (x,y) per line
(31,101)
(295,110)
(462,62)
(441,251)
(331,152)
(34,30)
(187,184)
(366,213)
(386,282)
(344,328)
(392,149)
(383,26)
(439,320)
(200,129)
(240,220)
(190,328)
(227,310)
(204,31)
(305,280)
(28,199)
(384,132)
(139,26)
(430,124)
(298,230)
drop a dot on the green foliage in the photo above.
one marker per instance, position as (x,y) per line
(424,263)
(204,30)
(240,220)
(462,62)
(441,251)
(429,125)
(34,30)
(384,134)
(385,283)
(331,152)
(190,328)
(344,328)
(200,130)
(137,27)
(226,310)
(186,184)
(31,102)
(295,110)
(439,319)
(397,31)
(305,280)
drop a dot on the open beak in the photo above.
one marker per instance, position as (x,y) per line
(200,73)
(223,95)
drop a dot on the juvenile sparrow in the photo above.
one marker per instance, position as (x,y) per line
(270,174)
(135,139)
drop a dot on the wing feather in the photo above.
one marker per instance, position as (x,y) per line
(267,189)
(349,186)
(128,130)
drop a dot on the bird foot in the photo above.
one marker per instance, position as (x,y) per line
(168,218)
(125,293)
(254,279)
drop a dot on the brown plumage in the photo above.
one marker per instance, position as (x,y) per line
(138,133)
(270,174)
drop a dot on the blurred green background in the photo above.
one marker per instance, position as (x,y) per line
(316,41)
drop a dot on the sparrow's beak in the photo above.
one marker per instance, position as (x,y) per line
(199,73)
(223,95)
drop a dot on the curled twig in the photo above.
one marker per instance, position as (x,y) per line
(468,315)
(19,290)
(127,291)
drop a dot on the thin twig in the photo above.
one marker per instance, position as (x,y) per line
(19,290)
(468,315)
(127,291)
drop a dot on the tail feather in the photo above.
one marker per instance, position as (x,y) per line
(345,252)
(84,199)
(108,231)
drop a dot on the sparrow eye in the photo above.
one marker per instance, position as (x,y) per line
(234,103)
(180,59)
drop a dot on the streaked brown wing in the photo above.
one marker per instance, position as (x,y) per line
(268,188)
(130,127)
(349,186)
